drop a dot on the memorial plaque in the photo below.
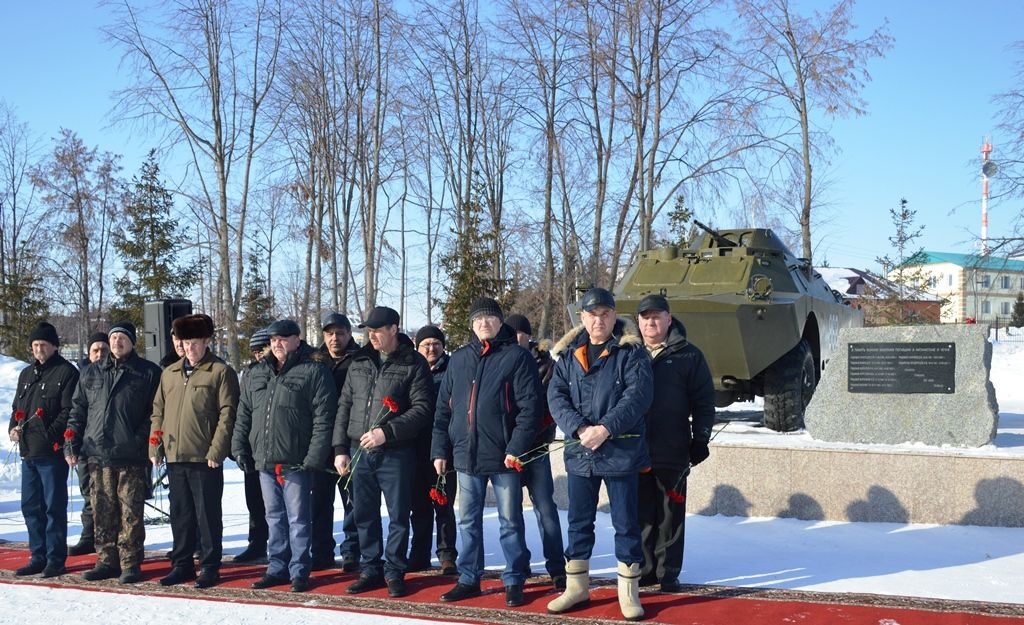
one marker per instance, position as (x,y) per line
(901,368)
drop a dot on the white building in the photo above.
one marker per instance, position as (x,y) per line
(983,288)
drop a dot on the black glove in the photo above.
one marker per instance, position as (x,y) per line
(246,464)
(699,452)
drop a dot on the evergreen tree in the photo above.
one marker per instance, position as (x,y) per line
(1017,320)
(21,307)
(470,268)
(909,278)
(257,309)
(150,247)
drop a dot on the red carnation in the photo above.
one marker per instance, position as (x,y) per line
(279,476)
(517,464)
(675,496)
(390,403)
(442,500)
(19,415)
(154,440)
(158,433)
(39,412)
(56,447)
(69,434)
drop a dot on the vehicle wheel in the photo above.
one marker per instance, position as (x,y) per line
(788,386)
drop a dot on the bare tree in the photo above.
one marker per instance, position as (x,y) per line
(804,67)
(1011,153)
(202,71)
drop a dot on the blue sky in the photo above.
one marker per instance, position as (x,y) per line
(929,106)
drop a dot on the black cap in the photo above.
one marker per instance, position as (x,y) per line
(283,327)
(336,319)
(519,323)
(381,316)
(259,339)
(44,331)
(429,332)
(98,337)
(597,297)
(124,327)
(485,306)
(653,302)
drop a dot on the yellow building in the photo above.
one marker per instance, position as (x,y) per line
(983,288)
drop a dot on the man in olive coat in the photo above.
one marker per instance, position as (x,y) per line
(193,418)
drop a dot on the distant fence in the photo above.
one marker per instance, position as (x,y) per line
(1000,330)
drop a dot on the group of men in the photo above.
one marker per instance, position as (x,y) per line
(397,420)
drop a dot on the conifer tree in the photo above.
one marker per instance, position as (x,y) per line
(151,248)
(257,310)
(901,268)
(1017,320)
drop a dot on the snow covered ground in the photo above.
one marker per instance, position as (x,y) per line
(948,562)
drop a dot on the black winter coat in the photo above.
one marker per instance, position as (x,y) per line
(487,406)
(111,409)
(339,366)
(46,389)
(285,417)
(683,388)
(404,377)
(615,392)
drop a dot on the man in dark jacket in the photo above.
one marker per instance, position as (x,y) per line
(336,351)
(486,418)
(39,417)
(283,430)
(99,347)
(600,390)
(537,471)
(193,418)
(384,407)
(256,549)
(678,430)
(430,343)
(109,425)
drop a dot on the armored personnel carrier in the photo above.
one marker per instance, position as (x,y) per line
(765,320)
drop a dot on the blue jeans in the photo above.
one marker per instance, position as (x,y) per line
(508,492)
(289,521)
(622,495)
(44,503)
(388,473)
(541,487)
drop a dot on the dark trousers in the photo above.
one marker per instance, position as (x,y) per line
(257,512)
(196,491)
(85,488)
(44,503)
(425,512)
(540,485)
(662,524)
(325,485)
(386,473)
(622,496)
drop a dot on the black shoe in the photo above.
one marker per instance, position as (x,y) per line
(648,580)
(131,575)
(460,592)
(448,567)
(514,595)
(323,564)
(269,580)
(53,570)
(366,583)
(300,584)
(82,548)
(252,553)
(207,578)
(349,562)
(100,572)
(178,575)
(415,566)
(671,585)
(34,567)
(396,587)
(558,581)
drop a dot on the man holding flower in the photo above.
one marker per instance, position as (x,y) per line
(384,407)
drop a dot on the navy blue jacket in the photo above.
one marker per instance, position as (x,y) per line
(615,392)
(487,405)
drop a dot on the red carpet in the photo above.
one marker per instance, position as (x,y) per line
(701,606)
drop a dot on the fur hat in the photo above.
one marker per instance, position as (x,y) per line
(192,327)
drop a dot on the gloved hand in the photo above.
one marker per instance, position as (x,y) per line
(246,464)
(699,452)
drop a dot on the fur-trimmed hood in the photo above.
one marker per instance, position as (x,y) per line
(625,333)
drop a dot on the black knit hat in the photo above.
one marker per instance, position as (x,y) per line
(519,323)
(125,327)
(429,332)
(485,306)
(98,337)
(44,331)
